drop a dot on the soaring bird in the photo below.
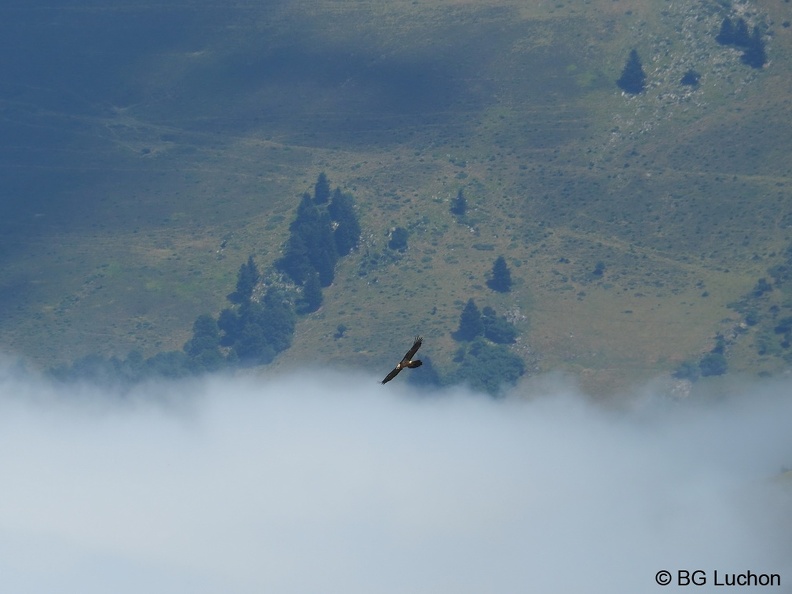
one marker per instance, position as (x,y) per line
(407,361)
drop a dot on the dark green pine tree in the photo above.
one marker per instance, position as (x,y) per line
(347,228)
(726,34)
(265,330)
(247,278)
(398,239)
(313,226)
(203,349)
(311,298)
(754,55)
(742,36)
(230,325)
(280,321)
(470,323)
(321,189)
(690,78)
(295,262)
(500,279)
(307,214)
(633,78)
(321,246)
(459,205)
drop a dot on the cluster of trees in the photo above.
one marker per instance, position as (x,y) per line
(324,229)
(712,363)
(260,319)
(733,33)
(766,313)
(737,34)
(484,360)
(255,328)
(764,306)
(251,332)
(474,323)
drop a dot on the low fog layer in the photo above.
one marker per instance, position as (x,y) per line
(325,482)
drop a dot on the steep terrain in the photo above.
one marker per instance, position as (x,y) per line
(147,151)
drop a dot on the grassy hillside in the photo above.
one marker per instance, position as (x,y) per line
(130,152)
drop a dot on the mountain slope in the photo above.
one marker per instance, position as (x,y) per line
(167,132)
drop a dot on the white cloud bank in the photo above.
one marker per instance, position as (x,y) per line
(323,482)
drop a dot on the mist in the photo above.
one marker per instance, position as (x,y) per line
(323,481)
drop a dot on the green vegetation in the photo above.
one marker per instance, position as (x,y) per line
(311,245)
(347,228)
(470,323)
(736,34)
(254,330)
(311,298)
(459,205)
(151,173)
(247,279)
(398,239)
(321,189)
(500,280)
(767,315)
(489,367)
(633,77)
(483,360)
(497,328)
(690,78)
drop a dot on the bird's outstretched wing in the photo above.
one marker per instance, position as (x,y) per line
(391,375)
(414,349)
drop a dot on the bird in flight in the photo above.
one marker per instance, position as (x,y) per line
(407,361)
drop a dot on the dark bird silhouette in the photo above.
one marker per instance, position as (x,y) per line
(407,361)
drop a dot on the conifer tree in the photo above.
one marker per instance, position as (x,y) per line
(321,246)
(726,34)
(307,214)
(247,278)
(264,330)
(347,229)
(470,324)
(690,78)
(633,78)
(500,279)
(754,55)
(398,240)
(311,245)
(295,261)
(251,346)
(459,204)
(321,189)
(742,37)
(203,349)
(280,321)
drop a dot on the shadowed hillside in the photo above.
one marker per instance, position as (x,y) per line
(147,151)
